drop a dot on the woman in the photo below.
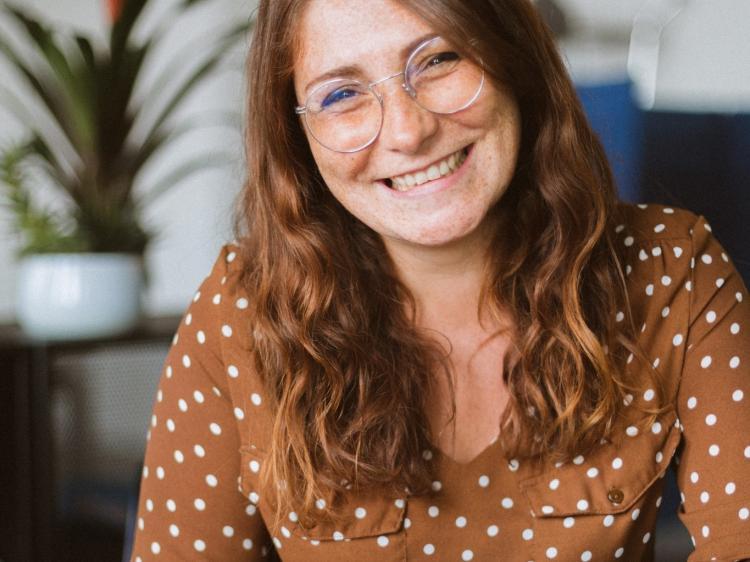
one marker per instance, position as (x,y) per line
(439,334)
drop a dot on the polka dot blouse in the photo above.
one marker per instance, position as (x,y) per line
(200,495)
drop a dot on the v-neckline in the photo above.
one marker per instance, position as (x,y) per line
(437,451)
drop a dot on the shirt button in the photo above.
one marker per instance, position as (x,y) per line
(615,495)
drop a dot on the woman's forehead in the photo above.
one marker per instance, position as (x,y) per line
(336,33)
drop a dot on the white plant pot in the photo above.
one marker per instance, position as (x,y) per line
(79,296)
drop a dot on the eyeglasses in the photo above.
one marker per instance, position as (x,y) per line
(346,115)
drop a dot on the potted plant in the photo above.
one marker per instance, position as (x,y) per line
(81,271)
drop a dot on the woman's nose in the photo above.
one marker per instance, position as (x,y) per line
(406,125)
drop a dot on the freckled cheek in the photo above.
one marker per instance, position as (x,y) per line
(362,205)
(340,171)
(489,111)
(466,121)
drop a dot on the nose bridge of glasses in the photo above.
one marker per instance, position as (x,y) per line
(381,81)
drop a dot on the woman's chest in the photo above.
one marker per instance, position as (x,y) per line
(599,507)
(479,396)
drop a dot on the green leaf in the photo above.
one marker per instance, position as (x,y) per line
(26,116)
(112,229)
(74,88)
(163,138)
(195,77)
(46,92)
(115,121)
(14,105)
(40,230)
(38,147)
(40,88)
(122,29)
(87,53)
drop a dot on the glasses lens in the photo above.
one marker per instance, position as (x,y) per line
(343,115)
(443,80)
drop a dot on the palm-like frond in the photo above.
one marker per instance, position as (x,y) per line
(44,233)
(78,98)
(43,86)
(88,92)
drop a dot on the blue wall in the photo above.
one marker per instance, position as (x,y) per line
(697,161)
(618,122)
(702,162)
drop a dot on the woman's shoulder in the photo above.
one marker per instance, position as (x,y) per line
(224,302)
(657,246)
(656,239)
(226,264)
(224,277)
(651,222)
(228,295)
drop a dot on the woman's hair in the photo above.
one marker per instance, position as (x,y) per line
(347,372)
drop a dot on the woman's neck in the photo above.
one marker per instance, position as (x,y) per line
(446,281)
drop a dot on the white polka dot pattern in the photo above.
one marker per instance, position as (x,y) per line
(190,450)
(709,403)
(691,313)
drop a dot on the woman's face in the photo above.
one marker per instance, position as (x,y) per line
(372,37)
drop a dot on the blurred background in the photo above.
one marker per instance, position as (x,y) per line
(666,84)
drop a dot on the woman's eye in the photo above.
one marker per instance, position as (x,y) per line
(338,96)
(438,59)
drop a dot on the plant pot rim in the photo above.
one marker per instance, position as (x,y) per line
(82,256)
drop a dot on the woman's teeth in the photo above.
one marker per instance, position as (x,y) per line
(436,171)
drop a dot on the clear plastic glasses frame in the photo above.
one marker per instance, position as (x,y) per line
(310,113)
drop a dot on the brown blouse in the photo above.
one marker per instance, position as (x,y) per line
(200,498)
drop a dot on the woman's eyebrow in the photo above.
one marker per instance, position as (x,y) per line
(353,69)
(338,72)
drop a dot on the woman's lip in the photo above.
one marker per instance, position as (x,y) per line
(432,186)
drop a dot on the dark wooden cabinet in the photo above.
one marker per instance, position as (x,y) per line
(73,420)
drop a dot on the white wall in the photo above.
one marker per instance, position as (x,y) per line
(194,218)
(701,61)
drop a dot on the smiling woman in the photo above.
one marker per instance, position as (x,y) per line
(437,315)
(457,117)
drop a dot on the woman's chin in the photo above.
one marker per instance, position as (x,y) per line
(443,235)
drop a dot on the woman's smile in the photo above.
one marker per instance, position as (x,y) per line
(438,176)
(441,168)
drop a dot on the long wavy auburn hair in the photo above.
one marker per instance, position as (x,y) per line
(347,372)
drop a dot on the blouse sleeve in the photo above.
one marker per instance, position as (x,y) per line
(190,507)
(714,405)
